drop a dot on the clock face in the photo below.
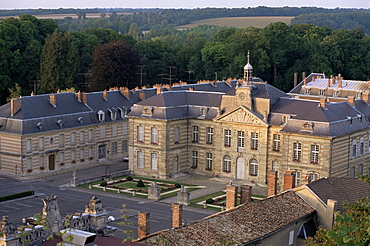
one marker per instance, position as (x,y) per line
(242,95)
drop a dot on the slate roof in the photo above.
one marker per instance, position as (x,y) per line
(297,89)
(331,121)
(245,223)
(343,190)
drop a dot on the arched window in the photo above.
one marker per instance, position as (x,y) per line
(226,167)
(253,167)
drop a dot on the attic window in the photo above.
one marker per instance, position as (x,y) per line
(101,116)
(203,111)
(60,122)
(335,93)
(40,125)
(359,95)
(308,91)
(80,119)
(147,111)
(359,117)
(321,92)
(349,119)
(123,112)
(113,114)
(284,119)
(307,126)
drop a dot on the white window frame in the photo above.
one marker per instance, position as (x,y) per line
(124,145)
(254,140)
(154,161)
(61,158)
(90,152)
(82,154)
(29,145)
(297,151)
(209,139)
(241,139)
(29,163)
(297,180)
(73,138)
(140,159)
(276,142)
(140,134)
(354,148)
(227,137)
(209,161)
(194,159)
(91,135)
(314,157)
(42,161)
(114,148)
(82,137)
(73,155)
(41,143)
(253,167)
(154,135)
(226,164)
(195,134)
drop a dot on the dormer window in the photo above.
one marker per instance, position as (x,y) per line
(321,92)
(284,119)
(113,114)
(349,119)
(359,95)
(101,116)
(307,126)
(147,111)
(359,117)
(123,112)
(60,122)
(39,125)
(308,91)
(203,112)
(335,93)
(80,119)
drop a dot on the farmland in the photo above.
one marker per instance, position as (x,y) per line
(62,16)
(239,22)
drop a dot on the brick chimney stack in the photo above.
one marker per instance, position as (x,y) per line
(159,90)
(105,94)
(143,227)
(324,102)
(124,91)
(295,80)
(53,99)
(340,84)
(365,97)
(191,88)
(245,194)
(289,180)
(351,100)
(272,183)
(368,84)
(15,105)
(329,82)
(176,215)
(304,81)
(142,95)
(231,195)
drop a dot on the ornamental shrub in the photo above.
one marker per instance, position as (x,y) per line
(209,201)
(140,183)
(104,183)
(177,185)
(129,178)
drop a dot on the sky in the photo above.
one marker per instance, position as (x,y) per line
(189,4)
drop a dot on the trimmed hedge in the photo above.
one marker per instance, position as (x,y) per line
(17,195)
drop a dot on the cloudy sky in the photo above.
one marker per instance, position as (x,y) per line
(24,4)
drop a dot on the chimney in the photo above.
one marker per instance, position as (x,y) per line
(304,81)
(228,81)
(295,80)
(84,97)
(245,194)
(231,195)
(332,80)
(339,82)
(351,100)
(53,99)
(124,91)
(329,216)
(105,95)
(142,95)
(213,83)
(323,102)
(272,183)
(329,83)
(368,84)
(365,97)
(15,105)
(159,90)
(303,75)
(143,227)
(176,215)
(313,79)
(191,88)
(78,95)
(288,180)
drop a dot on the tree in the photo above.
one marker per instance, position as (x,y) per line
(59,63)
(114,65)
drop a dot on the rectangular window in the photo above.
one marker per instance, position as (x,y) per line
(61,158)
(312,177)
(73,156)
(354,148)
(314,159)
(275,165)
(140,159)
(82,154)
(29,145)
(291,238)
(176,135)
(227,138)
(360,169)
(154,161)
(124,146)
(140,134)
(195,134)
(154,135)
(82,137)
(61,140)
(73,138)
(226,167)
(102,132)
(90,153)
(41,162)
(361,146)
(209,161)
(209,135)
(254,140)
(91,135)
(114,130)
(352,174)
(297,180)
(276,142)
(240,139)
(41,143)
(194,159)
(297,151)
(114,148)
(29,164)
(124,128)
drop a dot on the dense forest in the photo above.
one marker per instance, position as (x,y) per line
(37,55)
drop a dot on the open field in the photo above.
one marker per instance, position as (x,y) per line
(239,22)
(62,16)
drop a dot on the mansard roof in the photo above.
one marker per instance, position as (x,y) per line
(243,224)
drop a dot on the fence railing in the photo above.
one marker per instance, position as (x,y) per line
(112,175)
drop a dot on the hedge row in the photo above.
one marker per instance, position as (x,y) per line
(17,195)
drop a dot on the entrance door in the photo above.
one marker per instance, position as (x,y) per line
(51,162)
(240,167)
(102,152)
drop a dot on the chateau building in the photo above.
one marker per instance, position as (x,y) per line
(235,129)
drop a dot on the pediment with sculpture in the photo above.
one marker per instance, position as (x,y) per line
(241,115)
